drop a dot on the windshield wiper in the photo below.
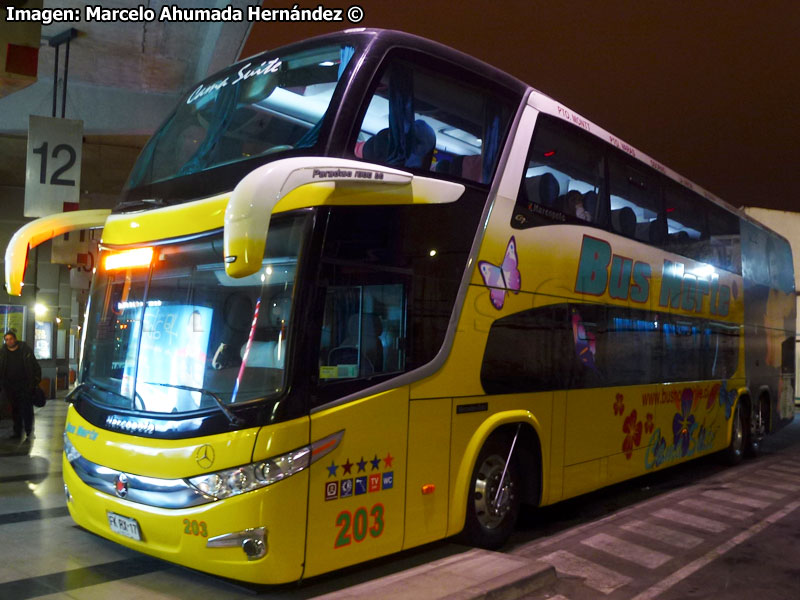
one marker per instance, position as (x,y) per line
(92,385)
(225,410)
(70,397)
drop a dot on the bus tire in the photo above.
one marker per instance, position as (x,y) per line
(760,427)
(489,525)
(739,435)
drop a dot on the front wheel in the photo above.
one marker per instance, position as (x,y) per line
(493,501)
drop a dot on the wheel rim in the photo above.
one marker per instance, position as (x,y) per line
(491,514)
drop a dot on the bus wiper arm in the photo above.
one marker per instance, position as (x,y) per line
(92,385)
(70,397)
(225,410)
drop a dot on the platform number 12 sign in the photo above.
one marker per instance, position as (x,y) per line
(53,166)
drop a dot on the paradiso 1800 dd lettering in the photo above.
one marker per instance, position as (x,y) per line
(601,271)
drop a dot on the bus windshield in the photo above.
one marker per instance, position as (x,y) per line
(265,105)
(173,333)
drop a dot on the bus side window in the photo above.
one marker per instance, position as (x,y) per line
(563,178)
(683,356)
(361,331)
(528,352)
(628,333)
(635,198)
(435,123)
(721,350)
(724,242)
(687,228)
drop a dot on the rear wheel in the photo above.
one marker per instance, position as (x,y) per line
(759,427)
(493,502)
(735,451)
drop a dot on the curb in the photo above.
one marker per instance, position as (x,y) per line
(512,585)
(472,575)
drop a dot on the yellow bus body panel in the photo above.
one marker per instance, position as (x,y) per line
(170,533)
(427,490)
(153,457)
(357,493)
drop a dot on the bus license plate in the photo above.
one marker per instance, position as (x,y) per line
(124,526)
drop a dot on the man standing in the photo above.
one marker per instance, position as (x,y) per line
(20,374)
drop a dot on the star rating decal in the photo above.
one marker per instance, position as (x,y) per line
(332,469)
(351,484)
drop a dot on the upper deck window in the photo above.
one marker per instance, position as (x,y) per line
(419,118)
(635,200)
(572,177)
(563,178)
(270,104)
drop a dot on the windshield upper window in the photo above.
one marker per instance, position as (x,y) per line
(428,118)
(176,334)
(266,105)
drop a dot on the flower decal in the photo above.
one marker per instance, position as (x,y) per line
(660,447)
(619,405)
(648,423)
(726,399)
(701,435)
(633,434)
(683,422)
(712,396)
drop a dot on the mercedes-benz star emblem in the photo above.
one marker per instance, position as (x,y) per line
(205,456)
(121,485)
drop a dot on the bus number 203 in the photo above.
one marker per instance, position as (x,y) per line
(195,528)
(356,525)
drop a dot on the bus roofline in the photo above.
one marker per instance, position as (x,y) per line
(254,199)
(36,232)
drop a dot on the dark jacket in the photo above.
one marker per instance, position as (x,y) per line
(33,372)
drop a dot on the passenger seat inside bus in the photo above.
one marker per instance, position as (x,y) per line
(542,189)
(347,353)
(377,148)
(657,233)
(623,221)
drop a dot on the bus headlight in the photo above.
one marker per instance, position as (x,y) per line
(69,450)
(238,480)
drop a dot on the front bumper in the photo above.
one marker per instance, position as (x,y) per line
(182,535)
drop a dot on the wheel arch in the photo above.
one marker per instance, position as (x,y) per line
(744,398)
(528,451)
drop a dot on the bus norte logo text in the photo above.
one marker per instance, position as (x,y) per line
(599,270)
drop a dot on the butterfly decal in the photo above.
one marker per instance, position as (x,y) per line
(726,399)
(585,344)
(502,279)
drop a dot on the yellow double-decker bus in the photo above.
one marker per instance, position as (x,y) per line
(364,292)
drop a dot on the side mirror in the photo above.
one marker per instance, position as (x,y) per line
(254,199)
(34,233)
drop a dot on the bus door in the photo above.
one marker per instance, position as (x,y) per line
(356,494)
